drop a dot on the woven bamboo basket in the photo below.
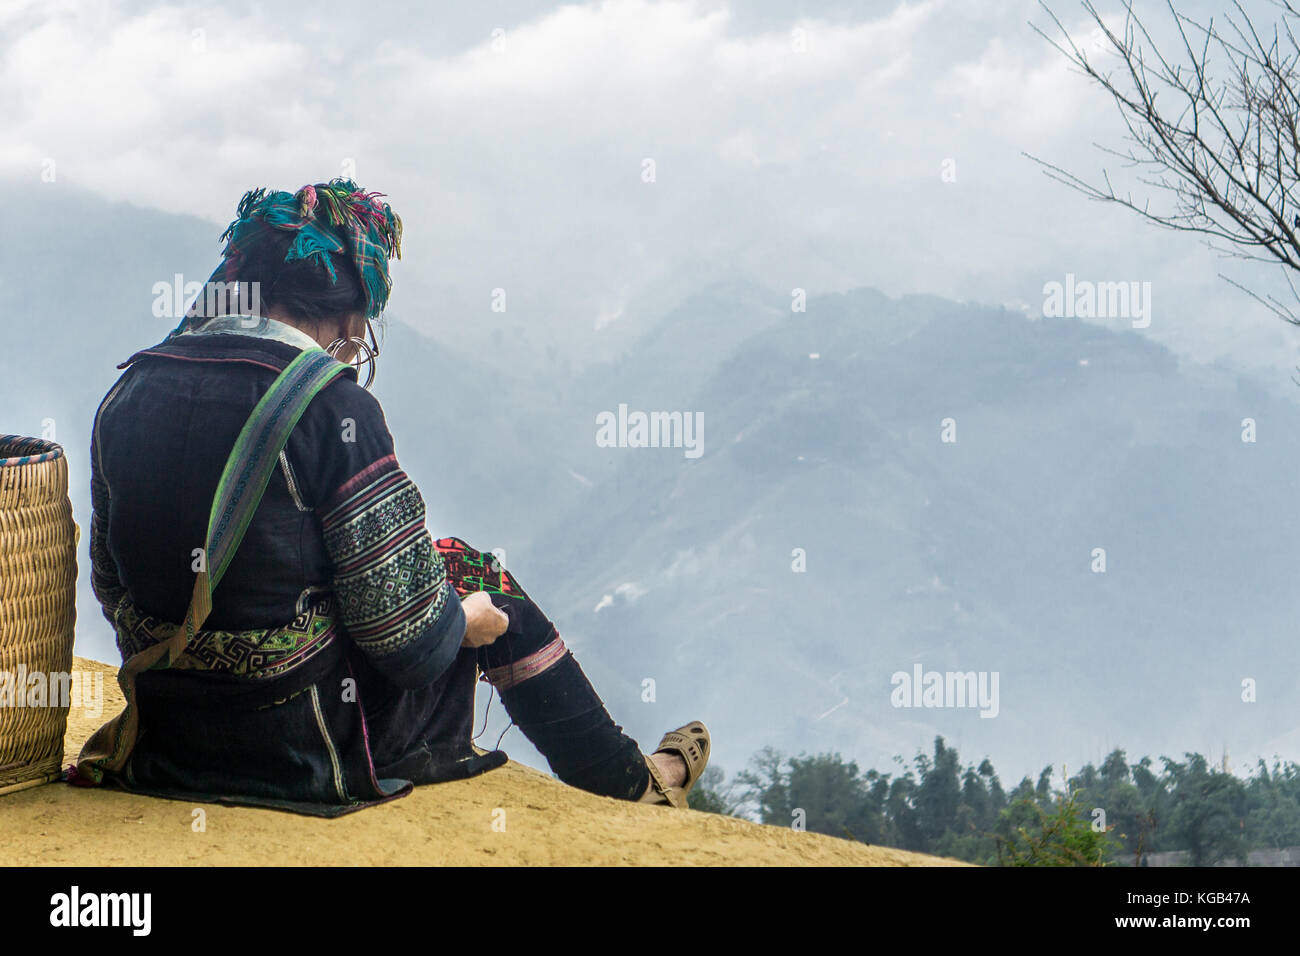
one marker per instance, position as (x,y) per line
(38,580)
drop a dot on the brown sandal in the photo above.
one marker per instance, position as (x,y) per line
(691,742)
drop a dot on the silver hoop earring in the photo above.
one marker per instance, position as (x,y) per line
(364,359)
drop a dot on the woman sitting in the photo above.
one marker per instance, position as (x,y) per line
(335,664)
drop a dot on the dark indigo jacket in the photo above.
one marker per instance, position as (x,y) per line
(386,691)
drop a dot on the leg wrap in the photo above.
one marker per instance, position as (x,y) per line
(509,675)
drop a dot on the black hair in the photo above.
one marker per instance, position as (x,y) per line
(300,287)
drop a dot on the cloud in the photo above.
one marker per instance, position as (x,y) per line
(601,161)
(125,103)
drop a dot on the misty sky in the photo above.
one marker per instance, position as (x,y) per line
(512,138)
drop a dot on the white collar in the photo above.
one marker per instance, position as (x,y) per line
(258,326)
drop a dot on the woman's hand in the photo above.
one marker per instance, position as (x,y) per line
(484,621)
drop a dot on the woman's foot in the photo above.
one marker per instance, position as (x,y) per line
(675,767)
(671,766)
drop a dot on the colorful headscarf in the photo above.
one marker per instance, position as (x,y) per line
(328,218)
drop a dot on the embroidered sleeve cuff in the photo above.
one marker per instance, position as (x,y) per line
(425,660)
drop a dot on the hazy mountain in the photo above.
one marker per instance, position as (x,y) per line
(974,555)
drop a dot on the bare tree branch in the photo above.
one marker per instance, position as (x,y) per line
(1213,130)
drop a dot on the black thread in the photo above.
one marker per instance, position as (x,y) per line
(510,654)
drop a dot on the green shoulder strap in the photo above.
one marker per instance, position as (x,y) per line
(239,492)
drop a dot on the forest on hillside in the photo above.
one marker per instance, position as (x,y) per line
(1117,813)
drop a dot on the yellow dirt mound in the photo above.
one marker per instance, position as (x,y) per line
(545,823)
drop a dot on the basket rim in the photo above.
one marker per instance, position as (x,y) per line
(35,449)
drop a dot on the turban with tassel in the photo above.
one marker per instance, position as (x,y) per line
(326,219)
